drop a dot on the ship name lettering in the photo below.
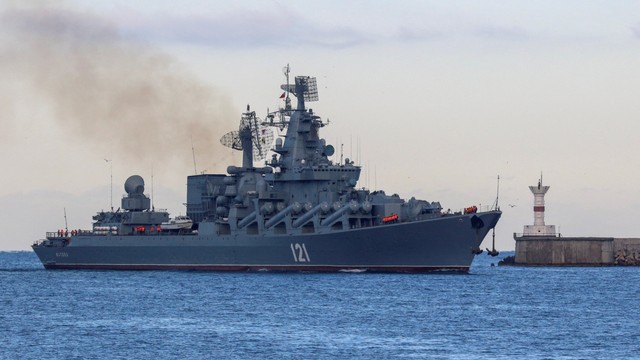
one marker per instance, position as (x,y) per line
(62,254)
(300,253)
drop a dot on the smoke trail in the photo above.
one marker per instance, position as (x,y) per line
(118,96)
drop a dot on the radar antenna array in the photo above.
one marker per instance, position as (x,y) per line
(310,86)
(261,137)
(232,140)
(307,85)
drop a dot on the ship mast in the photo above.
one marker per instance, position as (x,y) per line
(287,100)
(496,206)
(66,226)
(193,153)
(110,161)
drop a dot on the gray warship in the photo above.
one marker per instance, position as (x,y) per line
(301,211)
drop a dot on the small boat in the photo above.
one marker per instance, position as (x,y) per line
(181,222)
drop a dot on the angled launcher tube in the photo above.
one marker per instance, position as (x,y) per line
(248,219)
(279,216)
(307,216)
(335,216)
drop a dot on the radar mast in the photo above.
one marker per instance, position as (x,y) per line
(253,139)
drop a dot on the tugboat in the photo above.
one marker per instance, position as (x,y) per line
(301,211)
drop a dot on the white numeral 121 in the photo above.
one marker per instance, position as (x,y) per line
(299,252)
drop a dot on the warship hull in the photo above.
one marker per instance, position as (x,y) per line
(301,211)
(440,244)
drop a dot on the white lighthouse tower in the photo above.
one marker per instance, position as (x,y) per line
(539,228)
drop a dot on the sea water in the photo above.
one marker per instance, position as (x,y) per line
(494,312)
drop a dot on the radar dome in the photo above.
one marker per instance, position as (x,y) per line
(134,185)
(329,150)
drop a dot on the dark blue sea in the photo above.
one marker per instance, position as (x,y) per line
(492,313)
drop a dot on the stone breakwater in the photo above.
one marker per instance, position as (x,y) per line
(627,257)
(575,251)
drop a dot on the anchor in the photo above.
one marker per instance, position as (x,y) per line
(493,251)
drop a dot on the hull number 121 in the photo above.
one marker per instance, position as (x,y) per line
(300,253)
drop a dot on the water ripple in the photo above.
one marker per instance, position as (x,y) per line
(495,313)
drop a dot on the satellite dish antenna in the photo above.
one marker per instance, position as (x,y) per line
(253,139)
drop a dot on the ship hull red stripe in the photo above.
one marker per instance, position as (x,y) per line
(253,268)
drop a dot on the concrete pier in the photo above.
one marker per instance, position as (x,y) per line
(539,244)
(576,251)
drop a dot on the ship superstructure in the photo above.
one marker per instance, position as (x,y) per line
(300,211)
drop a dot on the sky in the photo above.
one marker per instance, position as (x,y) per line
(434,99)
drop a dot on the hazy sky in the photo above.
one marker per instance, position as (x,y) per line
(433,98)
